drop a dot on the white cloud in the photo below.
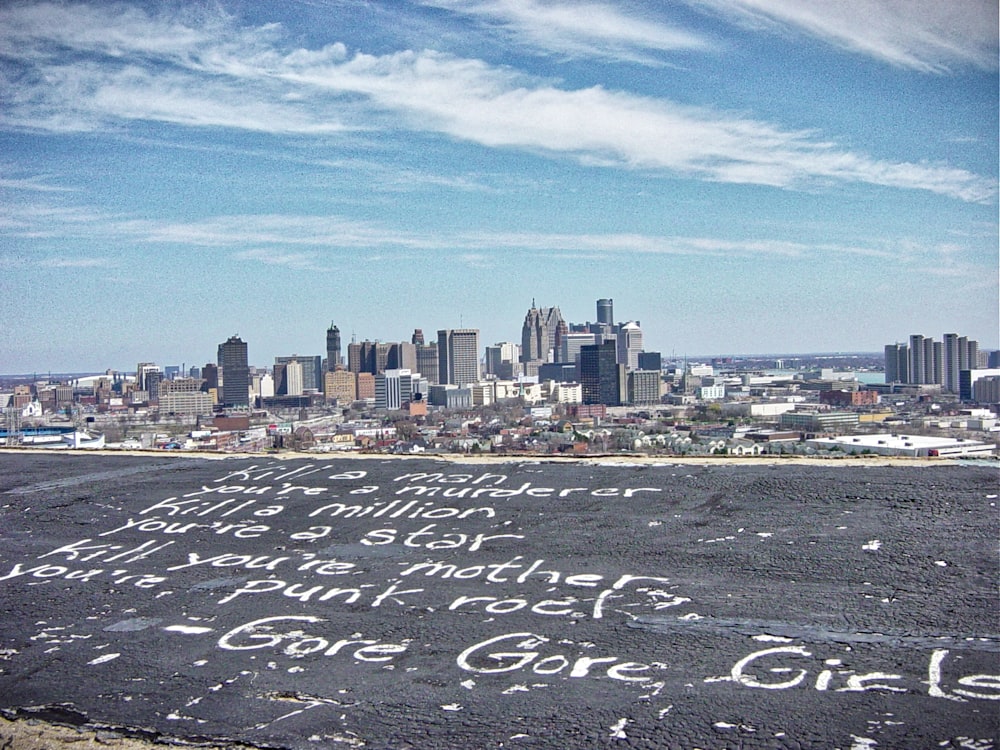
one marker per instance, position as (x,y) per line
(162,70)
(579,29)
(295,261)
(76,263)
(932,36)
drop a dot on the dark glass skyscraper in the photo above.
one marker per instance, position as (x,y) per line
(235,372)
(332,347)
(601,376)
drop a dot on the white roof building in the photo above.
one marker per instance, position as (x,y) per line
(891,444)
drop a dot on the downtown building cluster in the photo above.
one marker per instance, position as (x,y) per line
(563,386)
(600,363)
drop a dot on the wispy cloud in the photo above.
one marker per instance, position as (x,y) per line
(37,184)
(294,261)
(925,35)
(580,29)
(318,242)
(220,76)
(76,263)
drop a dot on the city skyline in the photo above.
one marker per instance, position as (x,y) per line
(738,175)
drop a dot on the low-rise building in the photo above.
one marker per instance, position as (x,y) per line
(890,444)
(819,421)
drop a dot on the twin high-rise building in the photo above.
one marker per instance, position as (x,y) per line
(925,361)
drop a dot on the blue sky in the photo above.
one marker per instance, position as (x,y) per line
(741,176)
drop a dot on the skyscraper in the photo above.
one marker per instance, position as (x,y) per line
(897,363)
(458,356)
(602,378)
(332,348)
(541,334)
(312,370)
(427,361)
(629,345)
(606,312)
(235,372)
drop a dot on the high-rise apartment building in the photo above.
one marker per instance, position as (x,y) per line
(333,360)
(897,363)
(928,362)
(458,356)
(235,372)
(960,353)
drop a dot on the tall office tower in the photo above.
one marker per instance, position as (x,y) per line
(897,363)
(541,334)
(235,372)
(427,361)
(629,345)
(458,356)
(210,373)
(602,378)
(312,370)
(367,356)
(141,371)
(354,357)
(333,348)
(500,359)
(606,312)
(418,337)
(294,380)
(153,380)
(534,340)
(569,347)
(402,356)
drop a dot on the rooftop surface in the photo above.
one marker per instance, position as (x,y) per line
(389,603)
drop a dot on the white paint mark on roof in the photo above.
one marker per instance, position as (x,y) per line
(103,659)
